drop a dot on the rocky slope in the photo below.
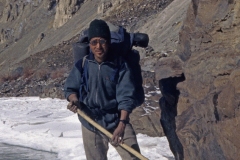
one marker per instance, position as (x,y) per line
(37,62)
(30,26)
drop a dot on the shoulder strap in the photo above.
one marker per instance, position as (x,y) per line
(83,61)
(84,88)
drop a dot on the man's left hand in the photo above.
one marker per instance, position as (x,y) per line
(118,134)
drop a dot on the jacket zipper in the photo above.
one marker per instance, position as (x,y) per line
(99,67)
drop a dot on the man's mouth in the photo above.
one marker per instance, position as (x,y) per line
(99,52)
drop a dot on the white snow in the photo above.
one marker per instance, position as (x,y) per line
(46,124)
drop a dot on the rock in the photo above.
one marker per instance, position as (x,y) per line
(206,103)
(51,4)
(148,63)
(36,42)
(146,123)
(17,72)
(104,7)
(168,67)
(65,10)
(52,91)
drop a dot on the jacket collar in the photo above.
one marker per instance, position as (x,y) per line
(90,56)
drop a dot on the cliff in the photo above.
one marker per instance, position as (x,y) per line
(205,98)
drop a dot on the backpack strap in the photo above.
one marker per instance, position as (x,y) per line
(83,61)
(84,88)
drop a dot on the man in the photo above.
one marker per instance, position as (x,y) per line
(107,96)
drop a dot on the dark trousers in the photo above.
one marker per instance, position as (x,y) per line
(96,144)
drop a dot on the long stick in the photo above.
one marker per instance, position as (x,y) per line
(103,130)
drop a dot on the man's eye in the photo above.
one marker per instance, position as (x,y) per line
(94,42)
(100,41)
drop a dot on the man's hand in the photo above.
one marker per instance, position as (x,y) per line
(118,134)
(119,131)
(74,104)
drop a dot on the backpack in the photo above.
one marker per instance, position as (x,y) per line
(121,44)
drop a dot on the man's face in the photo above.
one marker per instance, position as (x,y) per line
(99,47)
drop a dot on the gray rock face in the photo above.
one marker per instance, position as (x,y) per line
(207,107)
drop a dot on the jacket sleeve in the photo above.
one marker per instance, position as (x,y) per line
(125,90)
(72,83)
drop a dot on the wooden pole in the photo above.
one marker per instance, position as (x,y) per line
(103,130)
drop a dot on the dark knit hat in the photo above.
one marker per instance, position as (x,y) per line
(99,28)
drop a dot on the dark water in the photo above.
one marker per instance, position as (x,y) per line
(9,152)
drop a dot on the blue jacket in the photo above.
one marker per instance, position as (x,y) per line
(110,89)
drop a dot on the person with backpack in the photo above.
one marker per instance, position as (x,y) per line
(102,85)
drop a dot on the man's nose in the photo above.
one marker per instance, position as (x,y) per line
(98,44)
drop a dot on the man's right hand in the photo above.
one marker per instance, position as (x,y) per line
(73,106)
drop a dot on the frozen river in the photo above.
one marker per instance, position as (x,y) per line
(46,125)
(10,152)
